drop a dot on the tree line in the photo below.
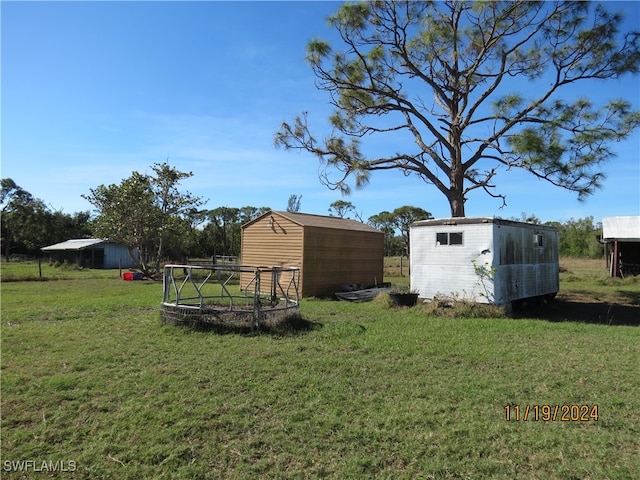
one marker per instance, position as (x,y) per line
(153,217)
(28,224)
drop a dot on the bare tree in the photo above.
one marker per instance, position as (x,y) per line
(445,77)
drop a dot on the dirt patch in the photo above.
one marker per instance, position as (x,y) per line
(582,308)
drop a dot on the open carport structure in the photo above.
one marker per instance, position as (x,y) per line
(90,253)
(621,238)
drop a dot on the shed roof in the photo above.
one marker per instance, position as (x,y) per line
(74,244)
(621,228)
(322,221)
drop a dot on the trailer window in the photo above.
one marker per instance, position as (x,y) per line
(538,240)
(449,238)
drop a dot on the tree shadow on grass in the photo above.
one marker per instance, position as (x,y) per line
(582,310)
(632,298)
(289,326)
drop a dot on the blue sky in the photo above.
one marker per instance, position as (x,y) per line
(92,91)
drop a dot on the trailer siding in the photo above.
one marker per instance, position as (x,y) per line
(524,269)
(448,270)
(484,260)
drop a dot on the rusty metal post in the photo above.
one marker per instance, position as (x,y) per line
(256,301)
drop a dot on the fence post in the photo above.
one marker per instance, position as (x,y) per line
(256,300)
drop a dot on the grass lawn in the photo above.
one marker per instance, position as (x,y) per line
(93,382)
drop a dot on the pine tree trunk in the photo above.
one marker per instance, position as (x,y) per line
(457,206)
(455,195)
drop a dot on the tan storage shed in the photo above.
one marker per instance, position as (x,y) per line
(329,251)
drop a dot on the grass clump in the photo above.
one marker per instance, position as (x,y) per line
(446,307)
(452,308)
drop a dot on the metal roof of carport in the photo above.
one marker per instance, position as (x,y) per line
(74,244)
(621,228)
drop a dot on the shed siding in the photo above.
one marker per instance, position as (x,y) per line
(497,262)
(277,245)
(330,252)
(116,256)
(335,257)
(92,253)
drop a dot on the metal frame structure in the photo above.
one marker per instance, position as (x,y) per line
(201,295)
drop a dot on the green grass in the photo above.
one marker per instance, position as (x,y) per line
(91,375)
(589,278)
(45,271)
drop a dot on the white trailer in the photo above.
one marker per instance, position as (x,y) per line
(485,260)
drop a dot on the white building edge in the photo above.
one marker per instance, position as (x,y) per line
(485,260)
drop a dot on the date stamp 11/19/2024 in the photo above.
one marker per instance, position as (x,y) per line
(551,413)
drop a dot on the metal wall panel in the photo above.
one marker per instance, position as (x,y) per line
(498,261)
